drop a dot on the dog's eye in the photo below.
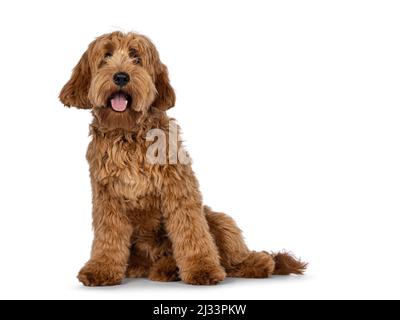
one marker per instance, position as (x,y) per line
(138,60)
(133,54)
(108,55)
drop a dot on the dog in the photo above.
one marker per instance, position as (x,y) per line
(148,217)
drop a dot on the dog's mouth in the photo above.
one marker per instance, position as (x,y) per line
(119,101)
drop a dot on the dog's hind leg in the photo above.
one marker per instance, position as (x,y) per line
(228,237)
(238,260)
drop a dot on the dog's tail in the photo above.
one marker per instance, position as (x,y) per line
(286,264)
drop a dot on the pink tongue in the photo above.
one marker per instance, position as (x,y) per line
(119,103)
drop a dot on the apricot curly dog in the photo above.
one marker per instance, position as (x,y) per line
(148,218)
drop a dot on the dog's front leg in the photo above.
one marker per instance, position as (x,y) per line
(110,250)
(194,248)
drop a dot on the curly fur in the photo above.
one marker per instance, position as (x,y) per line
(149,219)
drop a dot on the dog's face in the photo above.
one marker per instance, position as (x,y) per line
(119,77)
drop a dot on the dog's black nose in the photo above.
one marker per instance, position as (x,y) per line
(121,79)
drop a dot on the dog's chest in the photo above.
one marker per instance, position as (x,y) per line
(122,166)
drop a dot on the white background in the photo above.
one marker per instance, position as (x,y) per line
(290,110)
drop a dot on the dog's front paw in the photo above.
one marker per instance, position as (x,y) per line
(100,274)
(204,275)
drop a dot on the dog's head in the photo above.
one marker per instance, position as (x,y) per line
(119,77)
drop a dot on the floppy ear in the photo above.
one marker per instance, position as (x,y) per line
(165,98)
(75,91)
